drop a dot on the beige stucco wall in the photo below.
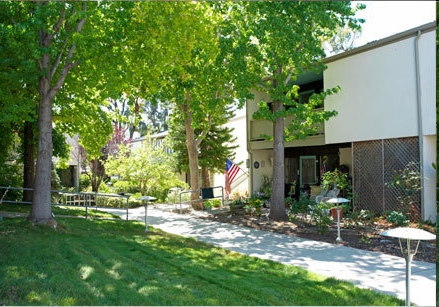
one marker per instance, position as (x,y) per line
(379,100)
(241,182)
(378,97)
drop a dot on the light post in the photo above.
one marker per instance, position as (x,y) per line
(337,201)
(408,234)
(146,200)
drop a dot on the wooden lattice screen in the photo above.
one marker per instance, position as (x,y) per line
(374,162)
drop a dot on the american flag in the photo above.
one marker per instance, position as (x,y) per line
(231,171)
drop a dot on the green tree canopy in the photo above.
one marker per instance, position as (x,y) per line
(147,168)
(62,60)
(199,80)
(280,41)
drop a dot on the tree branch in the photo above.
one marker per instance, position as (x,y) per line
(81,21)
(68,64)
(288,78)
(59,23)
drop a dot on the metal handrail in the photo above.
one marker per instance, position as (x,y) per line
(88,197)
(200,196)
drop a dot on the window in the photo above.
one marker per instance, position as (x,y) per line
(308,174)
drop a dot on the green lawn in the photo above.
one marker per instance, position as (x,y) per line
(114,262)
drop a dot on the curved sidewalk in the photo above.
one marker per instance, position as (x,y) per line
(365,269)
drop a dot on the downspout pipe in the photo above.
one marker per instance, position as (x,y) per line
(249,151)
(419,109)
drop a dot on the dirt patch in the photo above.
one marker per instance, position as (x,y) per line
(366,237)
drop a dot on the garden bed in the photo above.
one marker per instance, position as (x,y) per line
(366,237)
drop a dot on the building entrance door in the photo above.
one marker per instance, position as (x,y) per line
(308,170)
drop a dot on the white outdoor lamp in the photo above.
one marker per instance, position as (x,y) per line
(408,234)
(338,200)
(146,199)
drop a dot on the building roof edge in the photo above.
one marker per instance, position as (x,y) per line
(382,42)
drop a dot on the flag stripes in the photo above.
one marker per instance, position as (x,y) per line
(231,171)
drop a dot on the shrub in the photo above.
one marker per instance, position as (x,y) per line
(123,186)
(361,217)
(397,218)
(407,182)
(320,217)
(112,202)
(212,203)
(254,205)
(84,182)
(299,206)
(336,178)
(11,176)
(237,204)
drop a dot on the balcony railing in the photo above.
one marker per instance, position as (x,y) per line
(258,128)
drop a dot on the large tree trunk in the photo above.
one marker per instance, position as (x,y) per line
(41,212)
(97,174)
(277,206)
(192,150)
(28,161)
(205,178)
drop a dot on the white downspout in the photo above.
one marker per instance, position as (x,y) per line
(250,152)
(419,109)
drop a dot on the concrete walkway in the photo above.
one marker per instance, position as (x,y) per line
(365,269)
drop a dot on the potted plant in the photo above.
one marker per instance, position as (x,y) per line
(336,180)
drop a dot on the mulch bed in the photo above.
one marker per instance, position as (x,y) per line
(366,237)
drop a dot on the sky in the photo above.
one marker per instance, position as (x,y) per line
(385,18)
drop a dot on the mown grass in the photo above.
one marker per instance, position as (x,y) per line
(114,262)
(76,211)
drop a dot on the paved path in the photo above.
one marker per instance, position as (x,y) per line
(365,269)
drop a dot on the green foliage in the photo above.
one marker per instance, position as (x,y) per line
(84,182)
(343,41)
(265,189)
(408,183)
(125,186)
(214,148)
(398,218)
(320,216)
(146,169)
(360,218)
(112,202)
(254,205)
(335,178)
(299,207)
(174,198)
(278,42)
(237,204)
(10,176)
(212,203)
(55,180)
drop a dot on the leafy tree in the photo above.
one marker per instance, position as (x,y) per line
(17,95)
(137,114)
(55,39)
(94,168)
(343,40)
(407,182)
(281,40)
(213,151)
(199,82)
(154,117)
(146,168)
